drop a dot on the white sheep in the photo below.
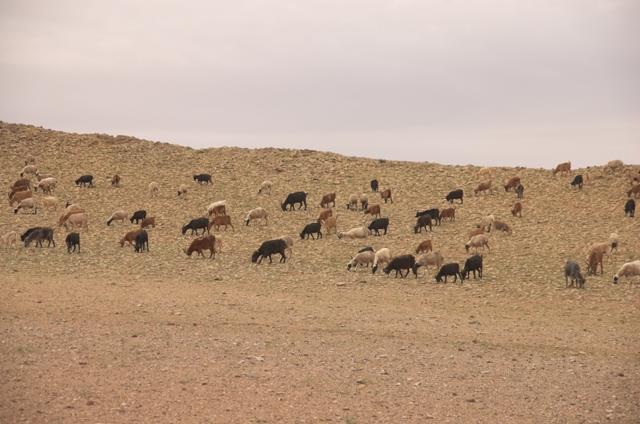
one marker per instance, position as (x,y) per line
(28,203)
(353,202)
(265,187)
(630,269)
(29,169)
(430,258)
(480,240)
(118,215)
(257,213)
(382,256)
(50,202)
(47,185)
(9,239)
(78,220)
(365,258)
(154,188)
(487,222)
(217,208)
(182,190)
(354,233)
(614,241)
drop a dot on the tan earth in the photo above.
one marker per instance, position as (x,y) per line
(113,336)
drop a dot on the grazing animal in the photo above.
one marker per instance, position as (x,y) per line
(517,210)
(84,181)
(353,202)
(382,256)
(299,197)
(202,243)
(449,213)
(364,201)
(310,230)
(217,208)
(635,190)
(365,249)
(154,188)
(129,237)
(483,188)
(324,214)
(24,235)
(72,241)
(119,215)
(513,182)
(265,187)
(379,224)
(373,210)
(520,191)
(572,270)
(289,241)
(138,216)
(203,178)
(423,221)
(268,248)
(9,239)
(29,169)
(39,234)
(115,181)
(141,242)
(480,240)
(630,208)
(256,213)
(630,269)
(147,222)
(50,202)
(563,168)
(28,203)
(22,184)
(354,233)
(424,246)
(614,165)
(447,270)
(595,258)
(386,195)
(455,194)
(472,264)
(220,220)
(19,197)
(77,220)
(327,199)
(577,182)
(401,263)
(614,240)
(182,190)
(478,230)
(434,213)
(502,226)
(331,223)
(47,185)
(432,258)
(364,258)
(487,222)
(374,185)
(196,224)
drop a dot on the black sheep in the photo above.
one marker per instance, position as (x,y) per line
(310,230)
(72,241)
(85,180)
(379,224)
(40,234)
(630,208)
(203,178)
(138,216)
(474,263)
(196,224)
(299,197)
(400,263)
(141,242)
(455,194)
(374,185)
(577,181)
(449,269)
(424,221)
(268,248)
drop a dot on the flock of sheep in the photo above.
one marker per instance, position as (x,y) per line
(21,198)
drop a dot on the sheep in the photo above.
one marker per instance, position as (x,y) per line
(448,213)
(483,188)
(423,221)
(354,233)
(217,208)
(382,256)
(614,240)
(138,216)
(328,198)
(30,160)
(265,187)
(154,188)
(426,259)
(572,269)
(9,239)
(485,173)
(115,181)
(595,258)
(84,181)
(24,235)
(480,240)
(19,197)
(374,185)
(353,202)
(299,197)
(517,209)
(29,169)
(220,220)
(455,194)
(424,246)
(40,176)
(487,222)
(182,190)
(630,269)
(513,182)
(474,263)
(613,165)
(449,269)
(256,213)
(379,224)
(196,224)
(563,168)
(40,234)
(141,242)
(118,215)
(47,185)
(476,231)
(78,220)
(310,230)
(72,241)
(386,195)
(373,210)
(630,208)
(331,223)
(28,203)
(16,190)
(129,237)
(50,202)
(578,181)
(502,226)
(73,208)
(365,258)
(203,178)
(635,190)
(602,248)
(364,201)
(147,222)
(23,183)
(268,248)
(434,213)
(400,263)
(519,191)
(324,214)
(200,244)
(366,249)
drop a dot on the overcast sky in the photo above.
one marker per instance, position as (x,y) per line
(486,82)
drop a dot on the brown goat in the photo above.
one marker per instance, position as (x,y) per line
(115,181)
(386,195)
(483,188)
(424,246)
(475,232)
(220,220)
(130,237)
(324,214)
(328,198)
(19,197)
(513,182)
(203,243)
(517,209)
(373,210)
(595,258)
(149,221)
(563,168)
(448,213)
(220,210)
(331,223)
(22,182)
(635,190)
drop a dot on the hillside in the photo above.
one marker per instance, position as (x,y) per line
(312,302)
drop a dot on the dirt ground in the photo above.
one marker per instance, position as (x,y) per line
(111,336)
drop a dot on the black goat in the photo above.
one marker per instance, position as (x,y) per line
(203,178)
(299,197)
(474,263)
(141,242)
(24,235)
(196,224)
(449,269)
(268,248)
(85,180)
(577,181)
(138,216)
(40,234)
(455,194)
(423,221)
(310,230)
(72,241)
(374,185)
(630,208)
(379,224)
(520,191)
(434,213)
(572,269)
(399,264)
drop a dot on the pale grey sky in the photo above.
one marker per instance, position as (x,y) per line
(488,82)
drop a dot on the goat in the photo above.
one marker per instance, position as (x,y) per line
(218,221)
(200,244)
(203,178)
(268,248)
(630,269)
(448,213)
(434,213)
(630,208)
(310,230)
(517,209)
(138,216)
(374,185)
(119,215)
(373,210)
(257,213)
(72,241)
(299,197)
(399,264)
(480,240)
(423,221)
(577,182)
(426,259)
(635,190)
(572,269)
(141,242)
(84,181)
(520,191)
(147,222)
(424,246)
(483,188)
(324,214)
(327,199)
(39,234)
(379,224)
(331,223)
(447,270)
(386,195)
(472,264)
(455,194)
(196,224)
(129,237)
(595,258)
(513,182)
(563,168)
(502,226)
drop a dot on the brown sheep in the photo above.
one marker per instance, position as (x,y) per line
(15,190)
(448,213)
(517,209)
(595,258)
(19,197)
(328,198)
(563,168)
(130,237)
(22,182)
(373,210)
(424,246)
(78,220)
(513,182)
(71,209)
(386,195)
(203,243)
(502,226)
(149,221)
(324,214)
(635,190)
(220,220)
(483,188)
(475,232)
